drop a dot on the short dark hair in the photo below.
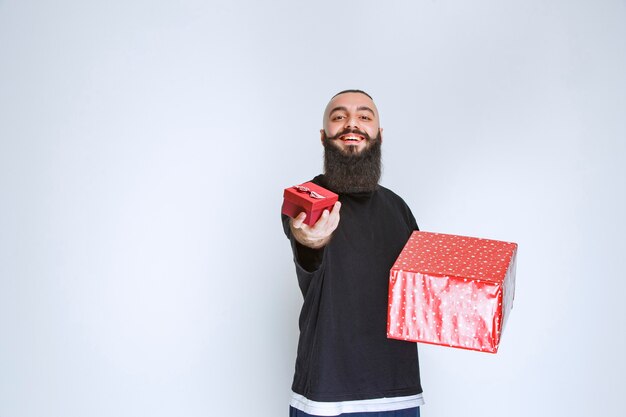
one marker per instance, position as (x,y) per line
(352,91)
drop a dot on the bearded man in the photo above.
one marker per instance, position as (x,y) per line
(345,364)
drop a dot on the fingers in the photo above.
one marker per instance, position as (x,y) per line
(333,219)
(325,225)
(319,234)
(329,220)
(298,220)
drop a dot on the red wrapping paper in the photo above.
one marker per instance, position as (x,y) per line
(313,201)
(452,290)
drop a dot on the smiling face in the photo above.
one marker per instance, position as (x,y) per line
(351,122)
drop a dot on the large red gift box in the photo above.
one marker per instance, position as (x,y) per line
(310,198)
(452,290)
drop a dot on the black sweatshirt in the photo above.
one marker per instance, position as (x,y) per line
(343,351)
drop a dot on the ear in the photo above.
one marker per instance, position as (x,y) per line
(322,136)
(380,129)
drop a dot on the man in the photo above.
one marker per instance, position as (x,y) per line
(345,363)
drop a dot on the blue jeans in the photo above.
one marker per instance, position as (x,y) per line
(407,412)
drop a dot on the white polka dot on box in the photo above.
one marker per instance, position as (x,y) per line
(450,290)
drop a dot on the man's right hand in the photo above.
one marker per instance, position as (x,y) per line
(318,235)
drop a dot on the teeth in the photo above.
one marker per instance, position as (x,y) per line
(351,138)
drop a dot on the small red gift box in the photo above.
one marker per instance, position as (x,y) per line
(452,290)
(310,198)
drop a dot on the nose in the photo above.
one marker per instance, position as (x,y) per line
(351,123)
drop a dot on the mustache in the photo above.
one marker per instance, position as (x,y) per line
(347,131)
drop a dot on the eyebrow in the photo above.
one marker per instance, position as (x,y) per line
(360,108)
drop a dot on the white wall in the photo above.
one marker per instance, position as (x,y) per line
(144,146)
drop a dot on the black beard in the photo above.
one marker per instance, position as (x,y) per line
(352,172)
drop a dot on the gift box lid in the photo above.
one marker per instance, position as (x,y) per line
(439,254)
(310,196)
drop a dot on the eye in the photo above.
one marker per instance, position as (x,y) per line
(365,117)
(338,117)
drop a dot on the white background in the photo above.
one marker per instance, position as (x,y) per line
(144,146)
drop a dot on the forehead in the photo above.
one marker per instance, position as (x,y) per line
(350,102)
